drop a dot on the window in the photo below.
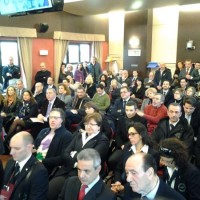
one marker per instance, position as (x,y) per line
(78,52)
(8,48)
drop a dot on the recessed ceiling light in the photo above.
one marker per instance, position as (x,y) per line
(136,5)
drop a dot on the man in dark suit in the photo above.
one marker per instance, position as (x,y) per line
(42,119)
(174,126)
(28,177)
(39,94)
(163,73)
(20,89)
(142,177)
(189,73)
(88,185)
(167,93)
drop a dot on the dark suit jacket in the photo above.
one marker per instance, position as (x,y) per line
(119,173)
(164,192)
(117,109)
(169,97)
(57,104)
(99,191)
(59,143)
(121,136)
(166,75)
(35,188)
(182,131)
(183,74)
(187,181)
(99,142)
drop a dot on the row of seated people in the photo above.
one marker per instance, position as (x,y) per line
(58,150)
(75,112)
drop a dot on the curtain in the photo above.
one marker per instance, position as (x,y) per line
(60,50)
(97,51)
(25,53)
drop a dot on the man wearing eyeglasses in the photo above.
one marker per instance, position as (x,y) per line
(51,142)
(174,126)
(144,183)
(88,185)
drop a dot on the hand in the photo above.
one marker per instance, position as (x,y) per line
(117,187)
(74,111)
(188,76)
(40,117)
(140,113)
(132,96)
(3,114)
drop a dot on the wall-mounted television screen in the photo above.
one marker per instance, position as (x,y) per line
(9,7)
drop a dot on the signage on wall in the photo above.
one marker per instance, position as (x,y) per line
(134,52)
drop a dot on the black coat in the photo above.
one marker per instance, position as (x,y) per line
(121,137)
(166,75)
(59,143)
(71,188)
(99,142)
(119,173)
(182,131)
(164,192)
(35,188)
(187,181)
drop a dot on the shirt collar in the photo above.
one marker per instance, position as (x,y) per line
(151,195)
(23,162)
(144,149)
(92,184)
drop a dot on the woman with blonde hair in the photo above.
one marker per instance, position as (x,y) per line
(89,86)
(149,93)
(10,105)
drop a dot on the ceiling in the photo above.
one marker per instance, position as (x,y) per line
(93,7)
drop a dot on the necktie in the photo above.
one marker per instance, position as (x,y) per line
(171,126)
(164,93)
(144,198)
(16,172)
(48,110)
(124,103)
(81,194)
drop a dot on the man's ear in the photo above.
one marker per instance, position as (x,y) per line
(150,172)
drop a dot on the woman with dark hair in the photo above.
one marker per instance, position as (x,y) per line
(179,67)
(90,138)
(78,74)
(62,75)
(179,173)
(103,78)
(52,141)
(138,142)
(28,108)
(138,91)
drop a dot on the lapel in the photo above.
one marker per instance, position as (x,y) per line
(25,170)
(91,142)
(95,191)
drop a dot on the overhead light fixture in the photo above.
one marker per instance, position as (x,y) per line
(134,42)
(136,5)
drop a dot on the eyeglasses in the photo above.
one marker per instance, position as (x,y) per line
(89,124)
(132,133)
(165,151)
(54,117)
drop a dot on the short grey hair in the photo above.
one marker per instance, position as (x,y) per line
(90,154)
